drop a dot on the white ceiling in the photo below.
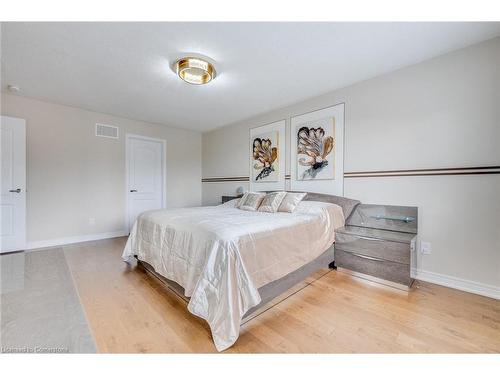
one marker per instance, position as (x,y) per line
(123,68)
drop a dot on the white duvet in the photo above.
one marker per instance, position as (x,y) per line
(221,255)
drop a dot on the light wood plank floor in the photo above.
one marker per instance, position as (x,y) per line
(130,311)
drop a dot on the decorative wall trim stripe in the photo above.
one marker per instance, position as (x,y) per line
(390,173)
(225,179)
(232,179)
(427,172)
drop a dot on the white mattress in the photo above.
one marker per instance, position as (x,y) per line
(221,255)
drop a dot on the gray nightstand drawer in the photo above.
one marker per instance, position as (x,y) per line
(381,268)
(373,247)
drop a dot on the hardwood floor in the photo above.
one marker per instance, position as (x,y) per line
(129,310)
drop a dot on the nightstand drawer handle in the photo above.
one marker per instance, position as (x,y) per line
(369,238)
(367,257)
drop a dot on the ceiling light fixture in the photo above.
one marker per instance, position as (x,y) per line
(194,70)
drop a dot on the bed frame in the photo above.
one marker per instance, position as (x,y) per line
(271,293)
(280,289)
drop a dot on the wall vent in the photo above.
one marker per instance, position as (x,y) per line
(107,131)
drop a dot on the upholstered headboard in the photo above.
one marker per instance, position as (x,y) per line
(348,205)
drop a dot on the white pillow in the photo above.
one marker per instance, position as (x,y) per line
(291,201)
(231,203)
(251,201)
(272,201)
(240,201)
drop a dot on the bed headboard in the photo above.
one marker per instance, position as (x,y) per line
(348,205)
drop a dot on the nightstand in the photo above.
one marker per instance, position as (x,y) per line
(378,243)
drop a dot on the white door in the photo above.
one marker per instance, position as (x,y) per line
(13,184)
(145,176)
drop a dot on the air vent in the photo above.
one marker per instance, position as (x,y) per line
(107,131)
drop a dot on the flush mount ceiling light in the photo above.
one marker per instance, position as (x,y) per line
(194,70)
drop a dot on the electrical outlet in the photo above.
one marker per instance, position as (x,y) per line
(425,247)
(91,220)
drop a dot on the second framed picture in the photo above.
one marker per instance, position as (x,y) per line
(267,157)
(317,151)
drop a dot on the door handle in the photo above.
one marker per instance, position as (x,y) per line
(133,191)
(15,190)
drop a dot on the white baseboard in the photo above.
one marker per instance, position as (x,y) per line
(470,286)
(35,245)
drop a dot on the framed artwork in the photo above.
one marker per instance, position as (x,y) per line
(267,157)
(317,151)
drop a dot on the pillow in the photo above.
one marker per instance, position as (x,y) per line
(231,203)
(251,201)
(272,201)
(291,201)
(241,200)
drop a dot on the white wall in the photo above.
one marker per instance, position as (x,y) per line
(440,113)
(72,175)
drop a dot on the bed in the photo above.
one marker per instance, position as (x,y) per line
(228,262)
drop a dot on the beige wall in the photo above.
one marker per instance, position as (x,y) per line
(72,175)
(441,113)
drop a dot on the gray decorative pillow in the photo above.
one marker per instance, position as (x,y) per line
(272,201)
(290,202)
(241,200)
(251,201)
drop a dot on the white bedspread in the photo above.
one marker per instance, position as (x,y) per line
(221,255)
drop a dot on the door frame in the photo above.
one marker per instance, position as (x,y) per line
(23,242)
(163,142)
